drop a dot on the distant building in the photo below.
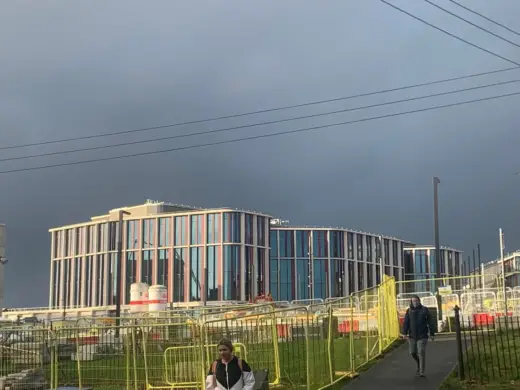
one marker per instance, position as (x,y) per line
(420,265)
(319,263)
(212,254)
(493,274)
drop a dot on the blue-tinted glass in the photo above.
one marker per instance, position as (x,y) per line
(195,274)
(273,243)
(231,269)
(261,223)
(286,243)
(248,273)
(319,243)
(249,229)
(213,228)
(273,278)
(212,282)
(232,230)
(179,261)
(337,278)
(181,231)
(368,243)
(302,279)
(337,244)
(302,243)
(286,293)
(260,270)
(319,279)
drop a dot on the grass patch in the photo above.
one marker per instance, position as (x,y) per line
(491,361)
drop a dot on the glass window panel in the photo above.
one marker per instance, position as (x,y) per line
(350,245)
(213,228)
(261,223)
(286,278)
(231,269)
(181,231)
(319,244)
(131,273)
(179,261)
(147,267)
(196,229)
(164,231)
(132,234)
(148,233)
(260,270)
(249,229)
(274,273)
(320,278)
(195,274)
(302,279)
(232,230)
(212,276)
(162,267)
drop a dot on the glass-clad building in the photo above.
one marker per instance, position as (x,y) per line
(198,254)
(319,263)
(420,265)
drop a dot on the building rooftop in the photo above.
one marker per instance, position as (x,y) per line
(285,225)
(151,209)
(420,247)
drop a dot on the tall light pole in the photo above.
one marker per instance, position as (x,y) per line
(119,268)
(436,182)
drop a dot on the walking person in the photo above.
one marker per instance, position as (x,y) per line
(418,327)
(229,372)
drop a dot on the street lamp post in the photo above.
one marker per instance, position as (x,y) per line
(436,182)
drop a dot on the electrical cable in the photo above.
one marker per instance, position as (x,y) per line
(294,131)
(205,132)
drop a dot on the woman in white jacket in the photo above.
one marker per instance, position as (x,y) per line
(229,372)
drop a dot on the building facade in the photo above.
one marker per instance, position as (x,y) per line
(319,263)
(198,254)
(420,265)
(492,274)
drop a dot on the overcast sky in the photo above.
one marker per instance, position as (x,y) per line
(76,68)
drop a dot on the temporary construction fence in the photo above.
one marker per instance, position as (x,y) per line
(311,346)
(478,305)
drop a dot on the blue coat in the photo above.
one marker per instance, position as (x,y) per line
(418,323)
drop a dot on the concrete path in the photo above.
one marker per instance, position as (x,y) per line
(397,370)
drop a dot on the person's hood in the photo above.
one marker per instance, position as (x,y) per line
(412,307)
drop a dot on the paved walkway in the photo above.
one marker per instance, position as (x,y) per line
(397,370)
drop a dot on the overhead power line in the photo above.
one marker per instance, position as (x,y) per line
(471,23)
(485,17)
(366,94)
(206,132)
(450,34)
(295,131)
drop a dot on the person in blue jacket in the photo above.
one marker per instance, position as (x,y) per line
(418,327)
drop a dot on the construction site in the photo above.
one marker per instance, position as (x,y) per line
(312,344)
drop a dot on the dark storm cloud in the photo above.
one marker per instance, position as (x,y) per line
(79,68)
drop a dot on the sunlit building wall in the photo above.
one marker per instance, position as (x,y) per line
(198,254)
